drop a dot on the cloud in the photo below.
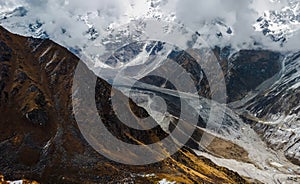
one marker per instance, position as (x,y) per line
(210,17)
(69,22)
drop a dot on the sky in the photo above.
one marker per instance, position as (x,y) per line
(69,21)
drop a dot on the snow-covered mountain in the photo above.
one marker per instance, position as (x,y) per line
(280,25)
(76,25)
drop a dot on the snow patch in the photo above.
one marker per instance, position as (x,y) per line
(164,181)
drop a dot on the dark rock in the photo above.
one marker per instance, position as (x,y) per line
(5,52)
(37,116)
(219,35)
(229,31)
(259,19)
(40,100)
(22,77)
(33,88)
(250,69)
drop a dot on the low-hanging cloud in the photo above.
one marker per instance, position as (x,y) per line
(239,16)
(68,21)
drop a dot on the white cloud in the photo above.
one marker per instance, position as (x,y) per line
(239,16)
(67,21)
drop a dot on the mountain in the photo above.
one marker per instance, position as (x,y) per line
(250,75)
(277,26)
(274,111)
(256,133)
(280,25)
(40,138)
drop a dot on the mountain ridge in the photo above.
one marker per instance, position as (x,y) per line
(40,139)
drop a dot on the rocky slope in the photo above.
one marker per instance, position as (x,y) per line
(247,69)
(274,109)
(245,73)
(40,140)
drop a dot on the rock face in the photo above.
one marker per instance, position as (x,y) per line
(248,70)
(40,140)
(245,70)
